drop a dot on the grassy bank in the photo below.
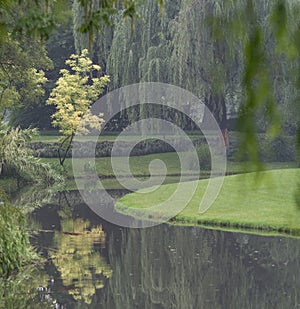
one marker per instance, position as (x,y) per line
(140,165)
(140,169)
(267,202)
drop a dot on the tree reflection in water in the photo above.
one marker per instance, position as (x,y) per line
(166,266)
(82,269)
(190,267)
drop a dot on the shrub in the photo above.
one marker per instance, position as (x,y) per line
(16,158)
(204,157)
(278,149)
(15,248)
(103,149)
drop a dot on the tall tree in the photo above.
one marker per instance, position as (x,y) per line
(235,56)
(76,90)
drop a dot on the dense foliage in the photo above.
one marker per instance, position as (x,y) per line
(14,241)
(21,74)
(17,160)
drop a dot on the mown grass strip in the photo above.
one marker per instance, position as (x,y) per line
(139,165)
(264,201)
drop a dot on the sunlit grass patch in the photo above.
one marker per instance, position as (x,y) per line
(261,201)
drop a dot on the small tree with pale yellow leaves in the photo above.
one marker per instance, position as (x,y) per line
(76,90)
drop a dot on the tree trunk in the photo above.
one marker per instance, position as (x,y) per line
(67,141)
(216,105)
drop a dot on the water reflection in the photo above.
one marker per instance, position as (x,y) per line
(82,269)
(189,267)
(94,264)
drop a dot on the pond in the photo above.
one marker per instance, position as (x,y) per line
(91,263)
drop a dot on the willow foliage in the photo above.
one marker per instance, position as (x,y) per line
(238,57)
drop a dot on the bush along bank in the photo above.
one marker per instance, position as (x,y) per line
(104,149)
(15,249)
(279,149)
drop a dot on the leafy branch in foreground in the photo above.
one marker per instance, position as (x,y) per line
(73,95)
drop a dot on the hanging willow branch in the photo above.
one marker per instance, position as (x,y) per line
(38,18)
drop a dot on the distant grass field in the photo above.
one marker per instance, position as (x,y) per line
(140,165)
(49,136)
(265,202)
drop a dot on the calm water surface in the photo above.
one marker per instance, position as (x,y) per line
(94,264)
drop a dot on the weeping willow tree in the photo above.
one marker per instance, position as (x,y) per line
(137,53)
(177,48)
(208,65)
(180,47)
(271,67)
(236,57)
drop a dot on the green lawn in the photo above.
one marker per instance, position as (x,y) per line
(140,165)
(140,169)
(265,201)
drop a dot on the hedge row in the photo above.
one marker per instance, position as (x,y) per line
(104,149)
(279,149)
